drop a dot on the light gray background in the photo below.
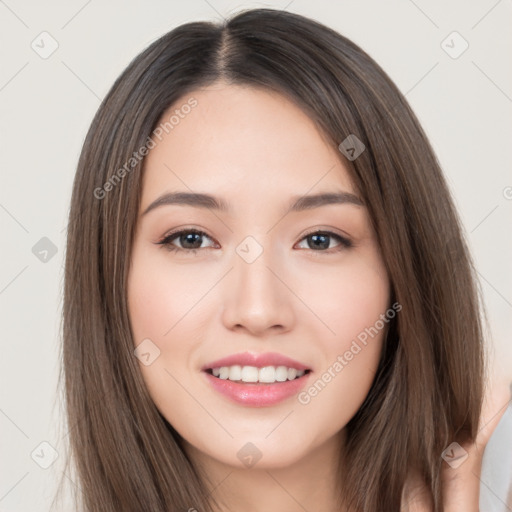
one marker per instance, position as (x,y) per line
(46,106)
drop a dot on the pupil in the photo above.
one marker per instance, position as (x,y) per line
(324,244)
(189,238)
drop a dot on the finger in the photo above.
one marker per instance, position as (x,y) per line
(498,397)
(462,464)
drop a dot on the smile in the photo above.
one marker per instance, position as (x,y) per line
(253,374)
(256,379)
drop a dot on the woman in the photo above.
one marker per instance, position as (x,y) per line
(217,376)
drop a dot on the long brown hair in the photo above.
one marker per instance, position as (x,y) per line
(429,385)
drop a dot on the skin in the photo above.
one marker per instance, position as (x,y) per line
(255,150)
(461,485)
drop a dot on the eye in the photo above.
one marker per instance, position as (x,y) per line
(319,241)
(189,239)
(192,239)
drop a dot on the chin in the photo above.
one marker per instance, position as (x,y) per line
(248,452)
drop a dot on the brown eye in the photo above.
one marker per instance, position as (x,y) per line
(188,240)
(320,241)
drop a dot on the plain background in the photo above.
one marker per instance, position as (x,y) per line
(46,106)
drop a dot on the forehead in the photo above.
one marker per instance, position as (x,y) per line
(240,139)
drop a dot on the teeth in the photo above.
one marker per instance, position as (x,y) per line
(267,374)
(235,373)
(281,373)
(250,374)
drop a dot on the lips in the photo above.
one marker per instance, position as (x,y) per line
(262,389)
(257,360)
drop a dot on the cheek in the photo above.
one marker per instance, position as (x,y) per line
(161,299)
(338,390)
(168,304)
(160,296)
(348,299)
(353,304)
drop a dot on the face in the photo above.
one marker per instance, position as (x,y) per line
(291,289)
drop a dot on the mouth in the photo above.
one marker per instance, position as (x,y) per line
(253,379)
(257,375)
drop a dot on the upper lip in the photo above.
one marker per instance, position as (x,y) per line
(255,359)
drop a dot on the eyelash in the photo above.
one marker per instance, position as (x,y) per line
(344,243)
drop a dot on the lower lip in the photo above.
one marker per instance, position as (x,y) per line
(257,395)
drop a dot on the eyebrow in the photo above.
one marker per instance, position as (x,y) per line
(208,201)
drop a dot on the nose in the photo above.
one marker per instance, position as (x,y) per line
(257,297)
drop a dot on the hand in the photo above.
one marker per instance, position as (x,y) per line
(461,485)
